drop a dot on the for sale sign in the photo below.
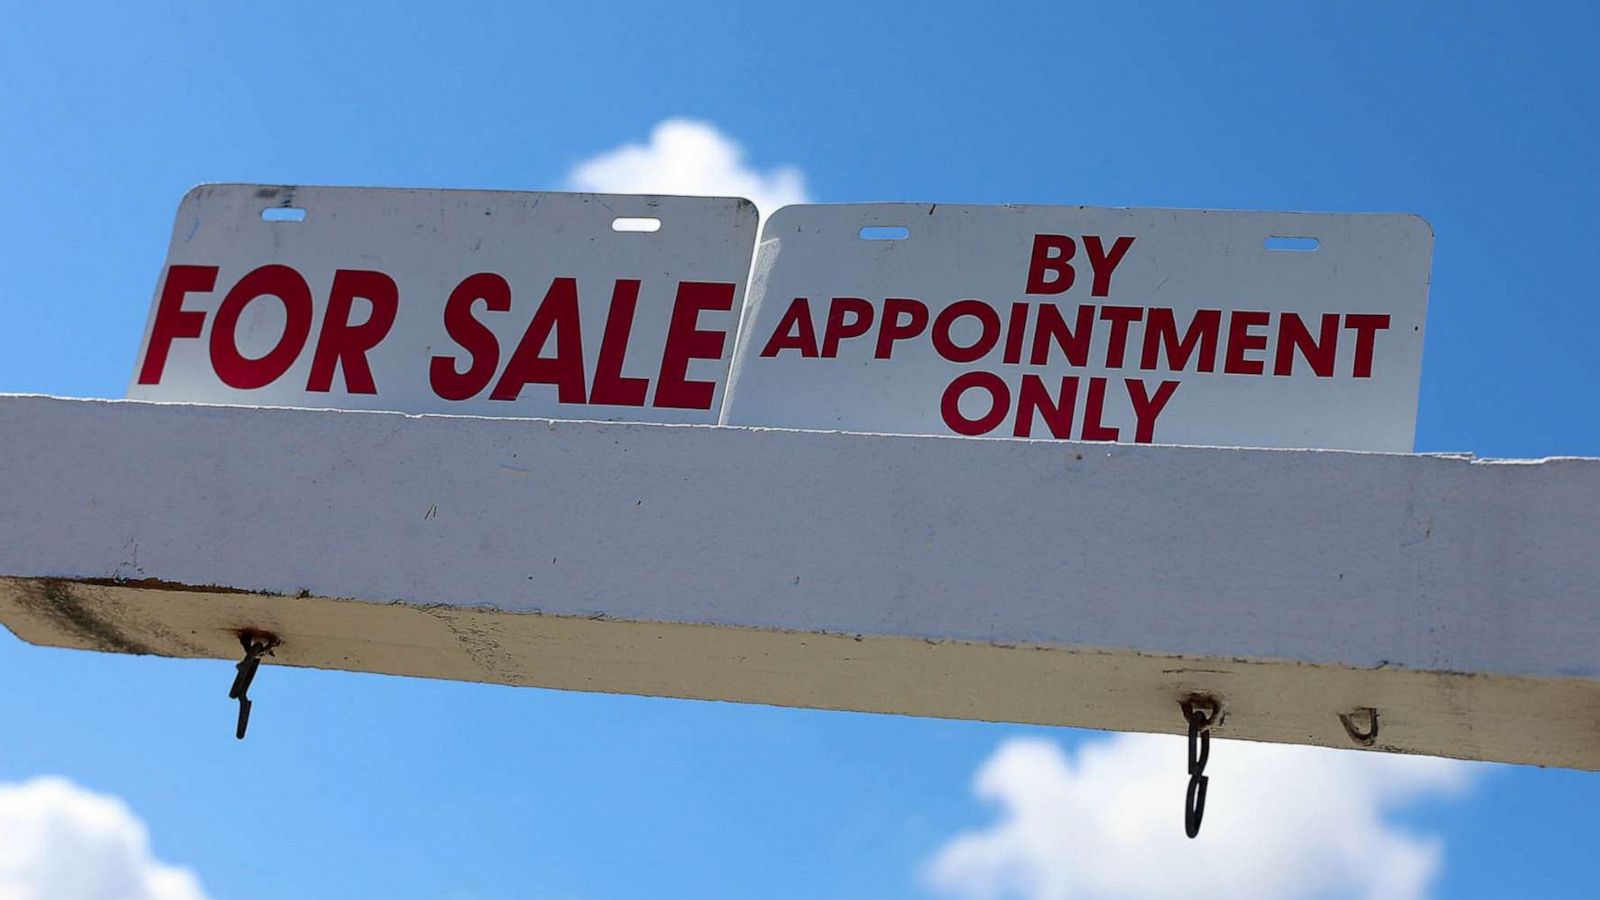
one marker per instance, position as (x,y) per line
(490,303)
(1133,325)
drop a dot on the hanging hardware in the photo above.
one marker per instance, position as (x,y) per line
(256,645)
(1201,713)
(1365,738)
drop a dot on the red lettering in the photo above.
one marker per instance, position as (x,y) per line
(1117,344)
(1293,335)
(1051,253)
(839,327)
(1104,263)
(234,368)
(796,319)
(558,315)
(946,345)
(1366,327)
(1241,341)
(1161,332)
(999,403)
(172,320)
(1094,410)
(610,387)
(473,336)
(1146,408)
(687,341)
(1074,342)
(892,329)
(345,346)
(1033,397)
(1015,331)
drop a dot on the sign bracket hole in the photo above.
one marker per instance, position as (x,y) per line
(884,233)
(636,224)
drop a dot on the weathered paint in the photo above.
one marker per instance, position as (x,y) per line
(1031,581)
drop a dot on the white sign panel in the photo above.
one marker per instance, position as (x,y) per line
(1132,325)
(487,303)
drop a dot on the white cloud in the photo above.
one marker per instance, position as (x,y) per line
(59,841)
(1281,822)
(691,158)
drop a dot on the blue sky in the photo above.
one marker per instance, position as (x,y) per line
(1481,118)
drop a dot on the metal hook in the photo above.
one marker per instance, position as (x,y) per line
(1364,738)
(256,645)
(1201,713)
(1194,805)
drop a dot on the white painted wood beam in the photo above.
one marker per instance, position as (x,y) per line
(1032,581)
